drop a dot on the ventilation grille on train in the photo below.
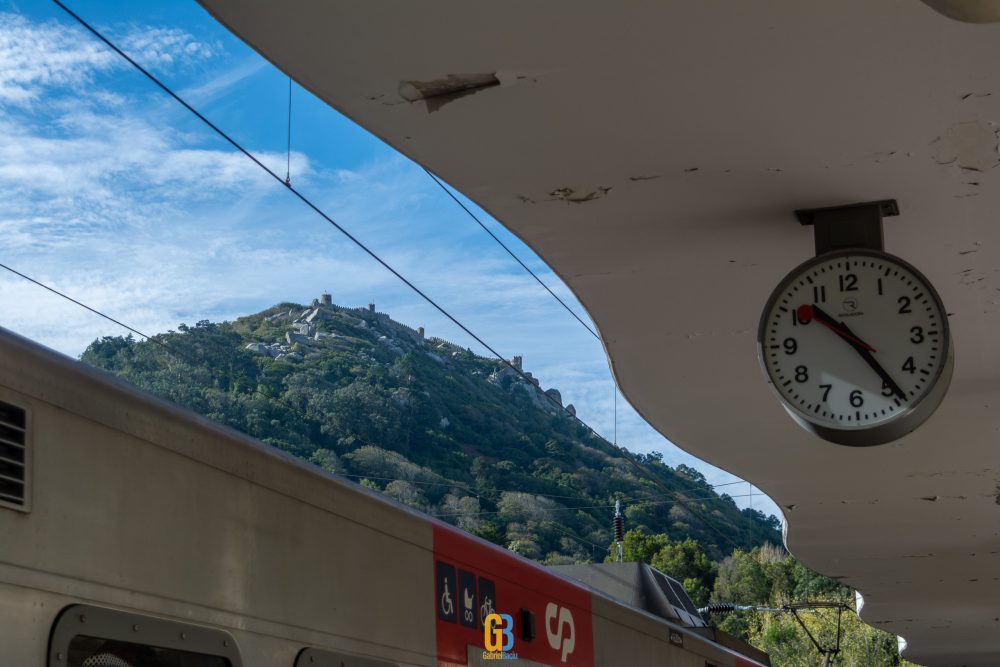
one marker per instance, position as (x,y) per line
(13,456)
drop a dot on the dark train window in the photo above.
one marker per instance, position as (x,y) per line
(96,652)
(317,657)
(14,458)
(89,636)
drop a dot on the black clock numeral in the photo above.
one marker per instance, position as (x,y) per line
(796,321)
(819,293)
(904,305)
(791,346)
(848,282)
(887,390)
(918,335)
(801,374)
(826,390)
(909,366)
(857,400)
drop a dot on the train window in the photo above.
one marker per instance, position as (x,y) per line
(89,636)
(315,657)
(95,652)
(14,457)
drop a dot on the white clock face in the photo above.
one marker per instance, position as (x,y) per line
(853,340)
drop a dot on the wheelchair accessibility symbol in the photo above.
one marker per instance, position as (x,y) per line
(445,589)
(447,608)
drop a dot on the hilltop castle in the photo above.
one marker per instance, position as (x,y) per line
(306,330)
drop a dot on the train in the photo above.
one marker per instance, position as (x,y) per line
(139,534)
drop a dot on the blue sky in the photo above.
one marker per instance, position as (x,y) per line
(113,193)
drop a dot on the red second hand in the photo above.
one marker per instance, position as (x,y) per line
(806,315)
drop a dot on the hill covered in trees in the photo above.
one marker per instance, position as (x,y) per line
(429,423)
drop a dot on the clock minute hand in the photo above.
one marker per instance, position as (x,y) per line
(862,348)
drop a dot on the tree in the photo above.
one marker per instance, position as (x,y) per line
(685,561)
(767,576)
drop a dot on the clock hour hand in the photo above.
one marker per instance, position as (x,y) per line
(807,312)
(815,312)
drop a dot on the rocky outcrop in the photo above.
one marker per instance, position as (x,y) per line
(308,328)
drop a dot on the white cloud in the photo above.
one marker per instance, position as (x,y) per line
(34,56)
(162,48)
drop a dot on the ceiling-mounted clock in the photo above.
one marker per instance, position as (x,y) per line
(855,343)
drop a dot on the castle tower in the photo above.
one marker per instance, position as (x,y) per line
(420,332)
(371,307)
(325,299)
(516,363)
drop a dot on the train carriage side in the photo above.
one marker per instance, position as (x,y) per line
(136,531)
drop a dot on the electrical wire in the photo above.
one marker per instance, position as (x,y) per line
(288,155)
(580,507)
(152,339)
(309,203)
(510,252)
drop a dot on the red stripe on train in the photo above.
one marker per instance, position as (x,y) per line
(473,579)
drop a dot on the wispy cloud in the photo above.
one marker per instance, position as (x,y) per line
(211,89)
(34,56)
(165,48)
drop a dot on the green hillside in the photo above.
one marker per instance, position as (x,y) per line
(471,441)
(432,425)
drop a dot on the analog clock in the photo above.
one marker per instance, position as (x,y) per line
(856,345)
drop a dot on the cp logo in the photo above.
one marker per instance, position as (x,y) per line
(564,619)
(495,627)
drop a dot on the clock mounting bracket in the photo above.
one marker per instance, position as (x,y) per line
(849,226)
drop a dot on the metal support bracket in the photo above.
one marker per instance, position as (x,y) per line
(850,226)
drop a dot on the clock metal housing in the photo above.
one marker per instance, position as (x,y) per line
(926,380)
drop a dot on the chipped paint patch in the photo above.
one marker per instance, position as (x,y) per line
(438,92)
(573,195)
(972,146)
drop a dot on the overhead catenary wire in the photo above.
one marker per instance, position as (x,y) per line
(152,339)
(362,246)
(288,155)
(448,482)
(510,252)
(580,507)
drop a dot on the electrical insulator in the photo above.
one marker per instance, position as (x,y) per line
(619,524)
(720,608)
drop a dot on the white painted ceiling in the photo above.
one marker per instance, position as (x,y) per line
(691,131)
